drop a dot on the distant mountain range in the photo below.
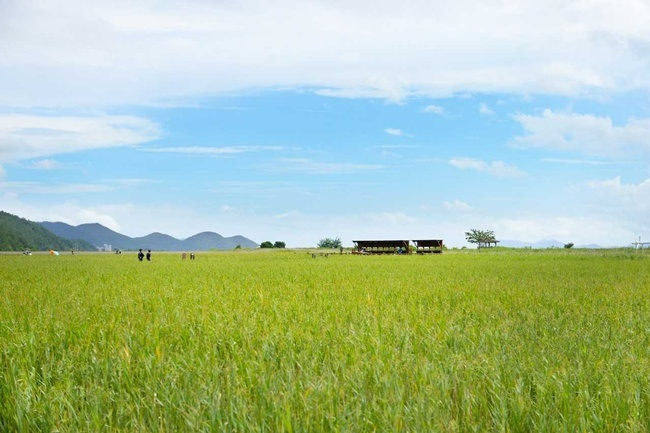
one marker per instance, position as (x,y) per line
(98,235)
(19,234)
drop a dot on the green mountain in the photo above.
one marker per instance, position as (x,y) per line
(99,235)
(19,234)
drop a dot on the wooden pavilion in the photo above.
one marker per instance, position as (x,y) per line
(490,243)
(428,246)
(382,247)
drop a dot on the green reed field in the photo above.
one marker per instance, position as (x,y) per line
(493,341)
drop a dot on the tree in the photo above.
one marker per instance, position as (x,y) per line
(480,237)
(279,244)
(569,245)
(330,243)
(266,244)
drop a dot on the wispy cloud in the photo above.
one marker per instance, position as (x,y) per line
(484,109)
(255,187)
(400,146)
(434,109)
(583,133)
(129,182)
(26,136)
(307,166)
(102,186)
(494,168)
(46,164)
(64,188)
(456,205)
(390,155)
(396,132)
(393,90)
(212,151)
(576,161)
(595,162)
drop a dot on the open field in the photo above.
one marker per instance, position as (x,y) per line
(463,341)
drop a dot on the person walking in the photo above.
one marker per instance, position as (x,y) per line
(148,255)
(140,255)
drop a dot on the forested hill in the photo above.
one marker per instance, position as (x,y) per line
(19,234)
(99,235)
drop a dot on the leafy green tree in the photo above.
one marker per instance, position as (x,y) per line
(279,244)
(266,244)
(330,243)
(569,245)
(480,237)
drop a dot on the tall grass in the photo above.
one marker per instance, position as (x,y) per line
(497,341)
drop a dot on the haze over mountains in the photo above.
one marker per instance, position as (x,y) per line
(99,235)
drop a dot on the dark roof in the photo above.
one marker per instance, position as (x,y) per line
(382,243)
(428,243)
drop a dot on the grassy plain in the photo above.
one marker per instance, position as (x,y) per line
(492,341)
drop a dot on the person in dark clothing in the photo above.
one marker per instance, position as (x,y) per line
(140,255)
(148,255)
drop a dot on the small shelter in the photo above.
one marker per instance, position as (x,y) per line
(490,243)
(382,247)
(428,246)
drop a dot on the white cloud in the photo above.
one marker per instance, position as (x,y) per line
(25,137)
(484,109)
(434,109)
(396,132)
(46,164)
(307,166)
(583,133)
(394,92)
(623,197)
(119,52)
(96,216)
(213,151)
(456,205)
(71,188)
(494,168)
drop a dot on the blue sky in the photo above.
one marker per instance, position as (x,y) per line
(321,119)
